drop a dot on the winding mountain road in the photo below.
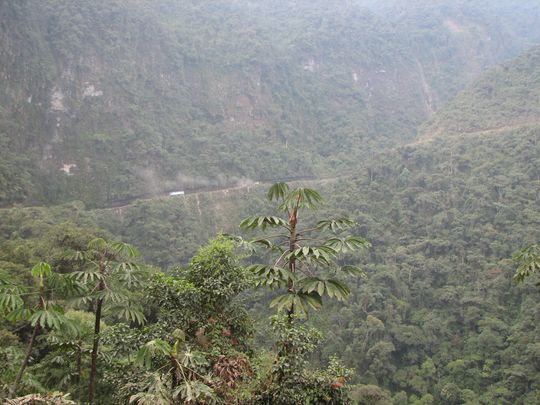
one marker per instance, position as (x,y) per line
(204,191)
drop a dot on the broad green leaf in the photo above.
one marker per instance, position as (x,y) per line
(19,314)
(354,271)
(156,347)
(336,289)
(129,313)
(108,295)
(335,224)
(529,259)
(263,222)
(50,318)
(125,249)
(97,244)
(301,198)
(278,191)
(10,299)
(41,270)
(284,301)
(89,276)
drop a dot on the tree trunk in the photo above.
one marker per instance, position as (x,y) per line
(95,347)
(292,261)
(13,389)
(41,305)
(174,379)
(78,362)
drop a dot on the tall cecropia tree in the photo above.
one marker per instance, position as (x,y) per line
(37,306)
(111,270)
(306,257)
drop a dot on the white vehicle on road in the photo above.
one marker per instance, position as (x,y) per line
(176,193)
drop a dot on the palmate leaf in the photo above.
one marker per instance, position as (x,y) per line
(310,284)
(301,300)
(19,314)
(263,222)
(155,393)
(264,242)
(329,287)
(66,284)
(193,392)
(312,299)
(529,259)
(354,271)
(78,255)
(191,358)
(98,245)
(301,198)
(88,276)
(51,317)
(125,249)
(156,347)
(10,298)
(335,225)
(129,313)
(319,254)
(336,289)
(283,301)
(129,273)
(278,191)
(41,270)
(348,243)
(270,276)
(108,295)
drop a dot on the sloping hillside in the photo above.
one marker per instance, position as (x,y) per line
(506,98)
(439,319)
(102,101)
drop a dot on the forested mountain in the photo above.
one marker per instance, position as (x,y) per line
(410,118)
(506,98)
(103,101)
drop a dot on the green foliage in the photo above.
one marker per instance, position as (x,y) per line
(506,97)
(529,261)
(41,312)
(187,384)
(438,320)
(109,271)
(230,101)
(53,398)
(300,253)
(295,382)
(198,341)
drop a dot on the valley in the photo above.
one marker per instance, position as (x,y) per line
(144,151)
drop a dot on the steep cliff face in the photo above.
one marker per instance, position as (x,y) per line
(109,100)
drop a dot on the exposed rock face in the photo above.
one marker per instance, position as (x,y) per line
(57,100)
(91,91)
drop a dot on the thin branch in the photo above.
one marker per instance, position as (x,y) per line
(281,257)
(306,271)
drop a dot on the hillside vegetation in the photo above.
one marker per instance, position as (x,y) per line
(436,161)
(439,319)
(103,101)
(507,97)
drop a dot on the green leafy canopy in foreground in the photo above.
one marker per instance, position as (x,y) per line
(305,258)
